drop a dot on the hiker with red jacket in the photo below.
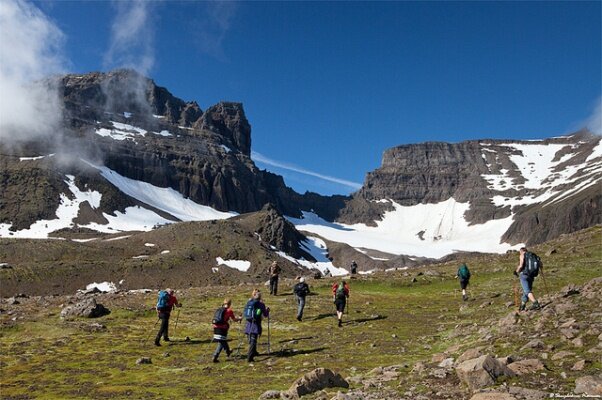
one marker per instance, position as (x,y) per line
(254,312)
(221,326)
(167,301)
(340,294)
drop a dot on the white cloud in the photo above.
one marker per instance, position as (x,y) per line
(212,29)
(31,48)
(594,122)
(257,157)
(132,37)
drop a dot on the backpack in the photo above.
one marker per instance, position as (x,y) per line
(218,317)
(532,264)
(163,300)
(464,273)
(340,292)
(250,311)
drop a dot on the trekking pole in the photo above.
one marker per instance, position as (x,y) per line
(515,289)
(151,332)
(545,284)
(176,326)
(268,335)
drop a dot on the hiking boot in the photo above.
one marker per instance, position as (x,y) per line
(522,307)
(228,352)
(215,359)
(166,339)
(464,297)
(157,343)
(340,323)
(535,306)
(299,319)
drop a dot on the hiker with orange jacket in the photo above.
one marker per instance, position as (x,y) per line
(221,326)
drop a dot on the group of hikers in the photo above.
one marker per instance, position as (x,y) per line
(255,309)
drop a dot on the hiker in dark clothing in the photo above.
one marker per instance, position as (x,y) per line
(340,294)
(353,267)
(220,329)
(526,279)
(274,272)
(300,290)
(255,310)
(164,308)
(464,275)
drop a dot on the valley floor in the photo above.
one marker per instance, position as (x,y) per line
(409,320)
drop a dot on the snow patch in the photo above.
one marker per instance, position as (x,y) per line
(104,287)
(240,265)
(149,244)
(35,158)
(163,133)
(165,252)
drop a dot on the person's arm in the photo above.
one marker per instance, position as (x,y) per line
(521,260)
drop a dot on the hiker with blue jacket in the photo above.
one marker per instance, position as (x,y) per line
(526,271)
(165,303)
(464,275)
(254,312)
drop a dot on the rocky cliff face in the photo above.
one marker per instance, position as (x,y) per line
(550,187)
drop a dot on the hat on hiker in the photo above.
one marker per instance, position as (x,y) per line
(302,279)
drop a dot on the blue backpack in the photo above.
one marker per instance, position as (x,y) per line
(252,311)
(163,300)
(464,273)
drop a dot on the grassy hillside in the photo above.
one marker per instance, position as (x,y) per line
(391,321)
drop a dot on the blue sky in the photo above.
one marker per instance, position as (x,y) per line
(328,86)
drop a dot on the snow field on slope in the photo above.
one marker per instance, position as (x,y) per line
(445,231)
(318,250)
(240,265)
(165,199)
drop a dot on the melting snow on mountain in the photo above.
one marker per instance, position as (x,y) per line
(425,230)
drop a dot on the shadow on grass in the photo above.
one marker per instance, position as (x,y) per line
(285,353)
(297,338)
(322,316)
(361,320)
(180,342)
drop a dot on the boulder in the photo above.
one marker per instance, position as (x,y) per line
(86,309)
(316,380)
(470,354)
(590,385)
(270,394)
(528,394)
(533,344)
(526,366)
(482,371)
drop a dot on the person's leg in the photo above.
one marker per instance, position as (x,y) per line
(218,350)
(300,306)
(226,347)
(271,285)
(276,285)
(162,328)
(252,347)
(531,296)
(524,283)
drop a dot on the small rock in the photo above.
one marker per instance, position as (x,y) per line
(550,252)
(561,355)
(493,396)
(166,354)
(144,360)
(316,380)
(529,394)
(270,394)
(577,342)
(526,366)
(447,363)
(533,344)
(470,354)
(394,336)
(579,365)
(590,385)
(482,371)
(439,373)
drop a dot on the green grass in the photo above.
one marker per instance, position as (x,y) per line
(45,357)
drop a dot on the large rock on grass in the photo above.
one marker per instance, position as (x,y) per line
(85,309)
(481,372)
(525,367)
(316,380)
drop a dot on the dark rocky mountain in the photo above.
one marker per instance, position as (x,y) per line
(142,134)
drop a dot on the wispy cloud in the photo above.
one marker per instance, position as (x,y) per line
(260,158)
(594,122)
(213,27)
(132,37)
(31,48)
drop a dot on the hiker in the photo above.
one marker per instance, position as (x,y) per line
(327,273)
(464,275)
(526,271)
(166,302)
(300,290)
(221,326)
(254,312)
(340,294)
(274,272)
(353,268)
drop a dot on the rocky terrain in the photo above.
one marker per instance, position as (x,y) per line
(406,335)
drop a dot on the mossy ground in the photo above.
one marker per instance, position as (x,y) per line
(390,321)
